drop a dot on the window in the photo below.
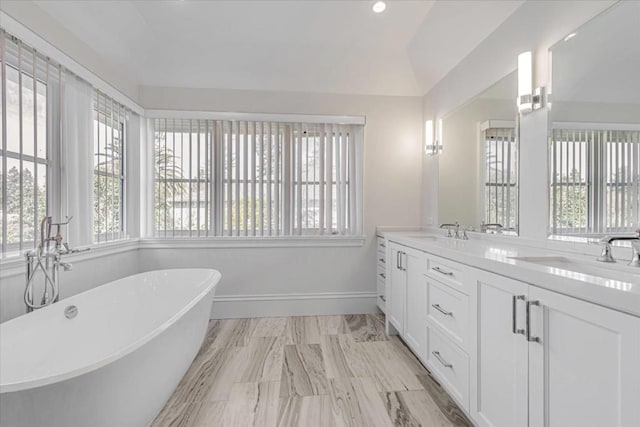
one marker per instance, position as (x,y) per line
(501,177)
(252,178)
(595,181)
(182,164)
(108,174)
(26,79)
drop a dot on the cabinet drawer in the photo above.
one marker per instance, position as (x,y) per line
(448,272)
(381,288)
(448,310)
(449,364)
(382,246)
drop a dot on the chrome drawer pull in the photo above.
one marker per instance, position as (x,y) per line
(382,275)
(514,308)
(441,271)
(441,310)
(382,260)
(383,298)
(531,338)
(441,360)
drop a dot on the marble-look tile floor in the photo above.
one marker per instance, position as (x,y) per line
(307,371)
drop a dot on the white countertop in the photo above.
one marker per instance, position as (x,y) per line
(619,290)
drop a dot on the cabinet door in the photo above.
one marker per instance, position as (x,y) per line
(585,369)
(397,278)
(499,381)
(414,336)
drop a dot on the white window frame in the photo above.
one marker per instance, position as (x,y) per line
(596,189)
(355,238)
(486,181)
(52,74)
(117,112)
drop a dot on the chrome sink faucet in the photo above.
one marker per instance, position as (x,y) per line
(496,228)
(450,227)
(606,255)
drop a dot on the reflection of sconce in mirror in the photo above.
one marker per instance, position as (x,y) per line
(433,137)
(528,99)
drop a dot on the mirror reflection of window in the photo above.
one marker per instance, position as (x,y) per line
(595,180)
(594,132)
(501,177)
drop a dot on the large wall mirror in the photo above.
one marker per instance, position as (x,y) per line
(478,166)
(594,130)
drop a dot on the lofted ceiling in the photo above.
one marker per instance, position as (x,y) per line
(311,46)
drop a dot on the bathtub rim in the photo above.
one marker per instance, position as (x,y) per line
(213,277)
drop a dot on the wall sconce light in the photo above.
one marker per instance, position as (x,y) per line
(528,99)
(433,137)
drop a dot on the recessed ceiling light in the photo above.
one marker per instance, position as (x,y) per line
(570,36)
(379,7)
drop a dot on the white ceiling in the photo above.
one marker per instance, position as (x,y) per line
(311,46)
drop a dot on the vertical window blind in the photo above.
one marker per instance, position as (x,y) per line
(595,181)
(501,177)
(25,109)
(109,168)
(254,178)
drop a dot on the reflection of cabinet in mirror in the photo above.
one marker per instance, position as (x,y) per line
(478,168)
(595,126)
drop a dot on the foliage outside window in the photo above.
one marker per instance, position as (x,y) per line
(25,78)
(595,181)
(245,178)
(108,176)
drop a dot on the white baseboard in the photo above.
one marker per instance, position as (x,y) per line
(303,304)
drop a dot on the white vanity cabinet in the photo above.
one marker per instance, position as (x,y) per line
(585,369)
(513,354)
(499,388)
(381,272)
(447,326)
(546,359)
(406,293)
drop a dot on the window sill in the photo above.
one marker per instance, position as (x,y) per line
(15,265)
(252,242)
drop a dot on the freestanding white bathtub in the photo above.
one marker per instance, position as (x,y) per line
(116,363)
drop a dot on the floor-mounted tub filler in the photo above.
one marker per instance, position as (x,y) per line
(111,356)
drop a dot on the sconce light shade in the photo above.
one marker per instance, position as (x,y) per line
(432,137)
(428,136)
(528,98)
(525,82)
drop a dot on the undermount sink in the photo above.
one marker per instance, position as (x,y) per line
(604,271)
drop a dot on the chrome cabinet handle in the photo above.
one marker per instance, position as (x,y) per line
(441,271)
(514,311)
(398,260)
(382,275)
(446,364)
(382,260)
(382,297)
(531,338)
(441,310)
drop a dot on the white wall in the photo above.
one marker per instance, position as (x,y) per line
(392,165)
(89,270)
(535,26)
